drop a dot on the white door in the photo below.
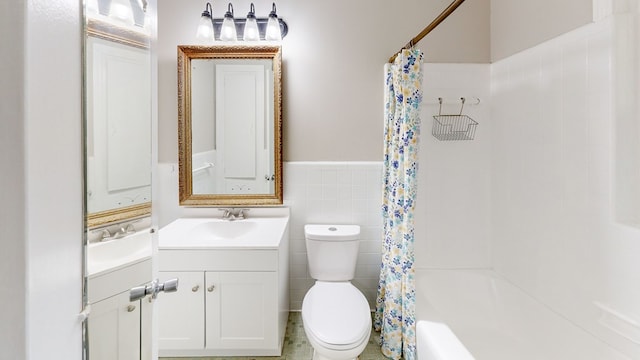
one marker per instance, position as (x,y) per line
(240,130)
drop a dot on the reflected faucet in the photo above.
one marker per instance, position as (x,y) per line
(123,231)
(232,214)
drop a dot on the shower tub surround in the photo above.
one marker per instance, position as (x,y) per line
(477,314)
(561,254)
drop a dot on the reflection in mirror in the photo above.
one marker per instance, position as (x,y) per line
(230,125)
(117,99)
(118,113)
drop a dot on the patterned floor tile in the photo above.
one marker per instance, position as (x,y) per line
(297,347)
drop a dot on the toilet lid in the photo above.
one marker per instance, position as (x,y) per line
(336,313)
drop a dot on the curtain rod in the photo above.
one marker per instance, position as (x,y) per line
(440,18)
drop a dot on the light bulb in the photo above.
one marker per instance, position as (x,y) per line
(205,34)
(121,11)
(92,7)
(251,32)
(228,30)
(273,32)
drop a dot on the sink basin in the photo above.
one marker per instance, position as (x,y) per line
(223,229)
(114,254)
(256,233)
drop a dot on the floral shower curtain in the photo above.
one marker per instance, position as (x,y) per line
(395,304)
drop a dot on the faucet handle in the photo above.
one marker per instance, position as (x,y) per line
(130,229)
(242,213)
(226,212)
(106,235)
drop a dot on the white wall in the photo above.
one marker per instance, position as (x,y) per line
(517,25)
(333,103)
(453,204)
(54,210)
(553,180)
(41,214)
(332,66)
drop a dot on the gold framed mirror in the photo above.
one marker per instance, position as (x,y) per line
(230,125)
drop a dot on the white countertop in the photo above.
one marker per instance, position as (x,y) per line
(215,233)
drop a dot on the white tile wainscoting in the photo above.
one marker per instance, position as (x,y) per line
(335,193)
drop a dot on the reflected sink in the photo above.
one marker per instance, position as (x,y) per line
(223,229)
(114,254)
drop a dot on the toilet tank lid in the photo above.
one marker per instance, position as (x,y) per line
(332,232)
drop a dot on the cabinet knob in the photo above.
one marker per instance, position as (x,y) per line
(211,288)
(130,308)
(195,288)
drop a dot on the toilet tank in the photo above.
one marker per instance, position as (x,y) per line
(332,251)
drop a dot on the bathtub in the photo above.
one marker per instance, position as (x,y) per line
(476,314)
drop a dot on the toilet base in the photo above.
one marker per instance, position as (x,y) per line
(317,356)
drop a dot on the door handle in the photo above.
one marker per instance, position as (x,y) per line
(153,289)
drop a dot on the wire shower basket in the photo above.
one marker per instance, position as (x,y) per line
(453,127)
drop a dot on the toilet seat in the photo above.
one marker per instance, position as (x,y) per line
(336,315)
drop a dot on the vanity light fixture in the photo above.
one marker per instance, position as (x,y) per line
(251,28)
(205,32)
(228,30)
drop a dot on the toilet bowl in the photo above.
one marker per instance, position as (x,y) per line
(335,314)
(336,320)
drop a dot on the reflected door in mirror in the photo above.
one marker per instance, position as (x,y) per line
(118,125)
(232,137)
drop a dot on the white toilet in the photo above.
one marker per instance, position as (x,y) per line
(335,314)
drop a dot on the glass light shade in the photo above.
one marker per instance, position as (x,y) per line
(273,29)
(205,33)
(251,32)
(121,11)
(228,30)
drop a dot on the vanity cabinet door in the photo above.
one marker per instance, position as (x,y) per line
(114,329)
(241,310)
(181,314)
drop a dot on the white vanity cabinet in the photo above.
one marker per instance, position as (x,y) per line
(115,324)
(181,321)
(232,298)
(229,302)
(242,310)
(115,328)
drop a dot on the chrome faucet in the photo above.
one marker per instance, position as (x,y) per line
(232,214)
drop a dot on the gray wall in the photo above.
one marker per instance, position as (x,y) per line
(517,25)
(12,188)
(333,63)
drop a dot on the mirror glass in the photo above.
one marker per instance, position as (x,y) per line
(118,112)
(117,124)
(230,125)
